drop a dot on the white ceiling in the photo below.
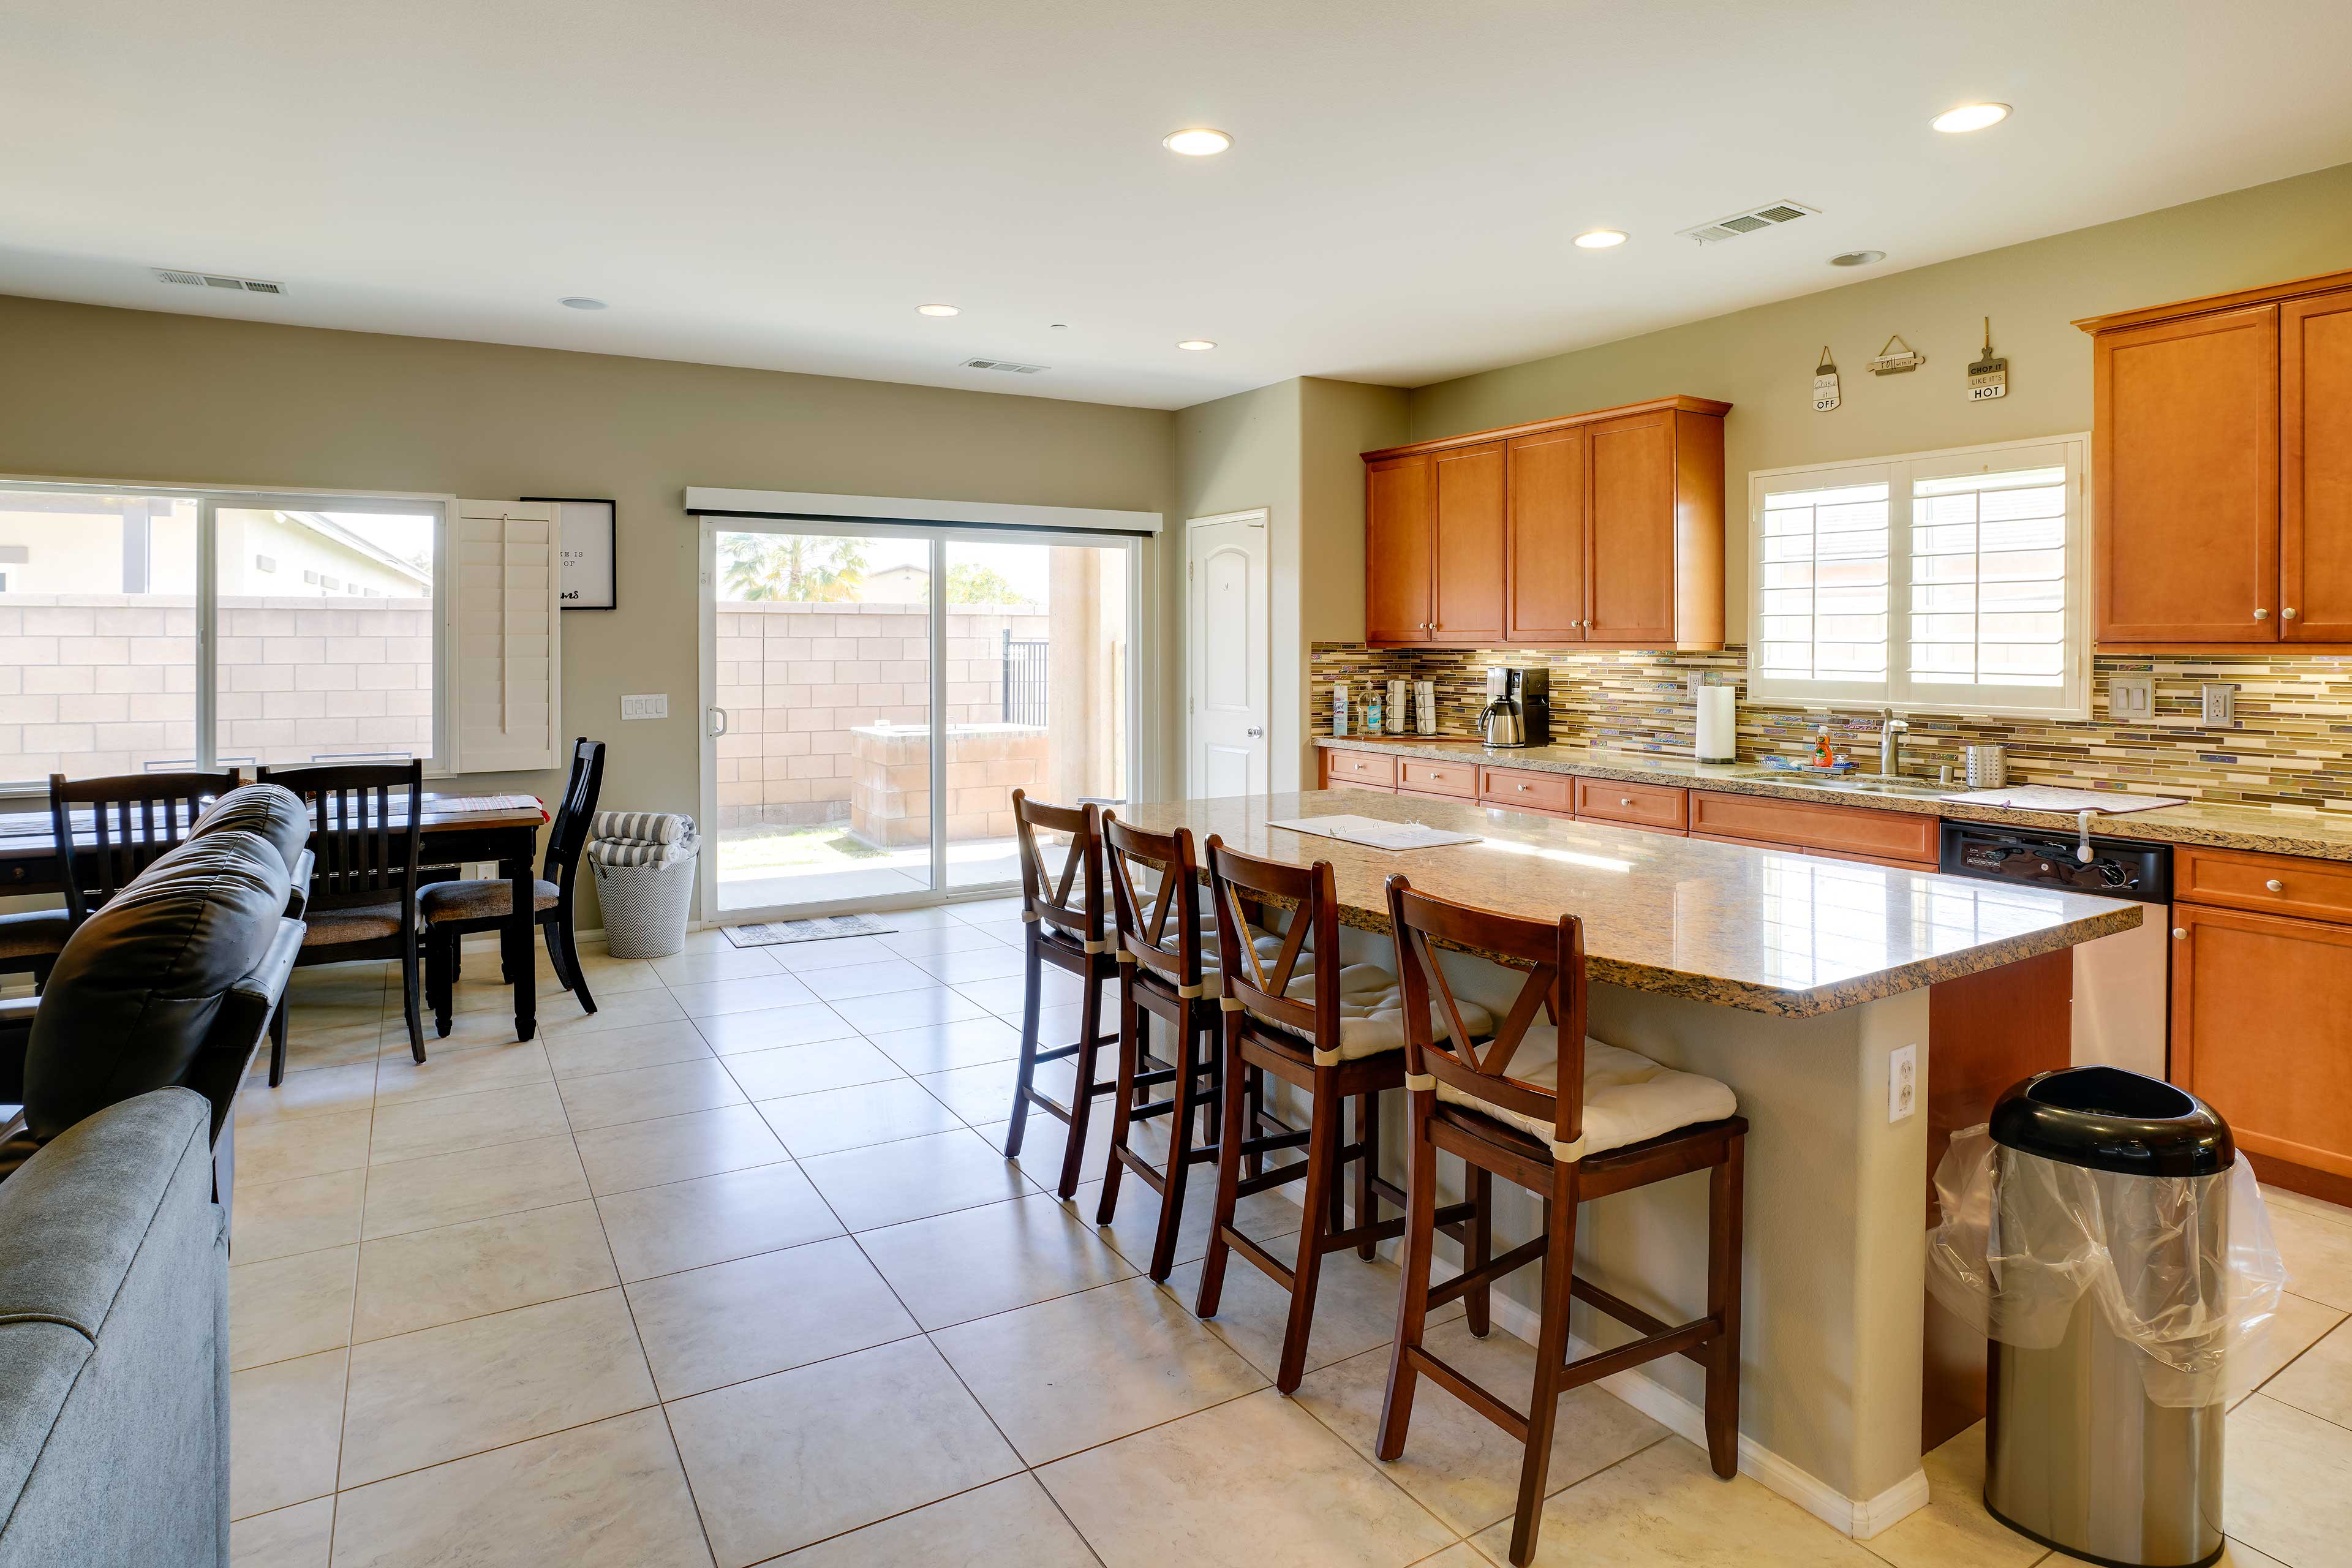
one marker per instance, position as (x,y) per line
(752,183)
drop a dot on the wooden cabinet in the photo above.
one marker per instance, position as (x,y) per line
(1658,807)
(2316,468)
(1543,550)
(1598,528)
(1855,832)
(1359,770)
(1523,789)
(1400,559)
(1416,776)
(1467,542)
(2262,1029)
(2222,470)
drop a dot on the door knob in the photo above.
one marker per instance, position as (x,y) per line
(1254,732)
(2275,886)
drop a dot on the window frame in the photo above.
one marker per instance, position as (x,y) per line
(2069,700)
(210,500)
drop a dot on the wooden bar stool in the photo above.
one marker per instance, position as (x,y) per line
(1291,1009)
(1155,897)
(1625,1121)
(1068,935)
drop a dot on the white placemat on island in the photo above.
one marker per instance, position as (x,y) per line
(1375,833)
(2042,797)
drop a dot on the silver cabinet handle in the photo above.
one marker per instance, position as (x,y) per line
(2287,613)
(1624,800)
(1524,787)
(2275,886)
(2262,614)
(2179,933)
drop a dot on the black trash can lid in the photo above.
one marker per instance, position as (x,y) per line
(2105,1119)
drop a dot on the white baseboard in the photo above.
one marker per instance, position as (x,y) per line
(1859,1518)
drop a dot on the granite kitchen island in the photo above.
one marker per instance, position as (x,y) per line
(1796,980)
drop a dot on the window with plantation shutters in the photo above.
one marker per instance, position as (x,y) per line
(504,622)
(1945,582)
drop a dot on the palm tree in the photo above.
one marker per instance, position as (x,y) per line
(793,568)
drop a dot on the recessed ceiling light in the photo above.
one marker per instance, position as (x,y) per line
(938,311)
(1970,116)
(1196,142)
(1196,344)
(1600,238)
(1857,257)
(581,302)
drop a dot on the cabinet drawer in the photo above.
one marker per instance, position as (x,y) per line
(1895,835)
(1359,768)
(1637,805)
(1527,791)
(1438,778)
(2277,884)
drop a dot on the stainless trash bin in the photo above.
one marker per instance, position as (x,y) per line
(2080,1452)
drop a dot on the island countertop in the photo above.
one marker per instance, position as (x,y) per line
(1763,931)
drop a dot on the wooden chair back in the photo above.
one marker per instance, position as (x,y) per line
(1159,926)
(567,837)
(1046,896)
(135,818)
(368,822)
(1238,883)
(1551,956)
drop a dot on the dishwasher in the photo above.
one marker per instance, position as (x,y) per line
(2122,982)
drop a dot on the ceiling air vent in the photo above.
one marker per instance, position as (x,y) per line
(1766,216)
(218,281)
(1014,365)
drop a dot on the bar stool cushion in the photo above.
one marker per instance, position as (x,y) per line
(1628,1097)
(479,901)
(1371,1013)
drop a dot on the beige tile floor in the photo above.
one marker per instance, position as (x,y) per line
(732,1273)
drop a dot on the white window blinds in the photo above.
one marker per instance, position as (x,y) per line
(1949,581)
(504,622)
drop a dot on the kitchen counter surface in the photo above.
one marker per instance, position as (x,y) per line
(1763,931)
(2326,836)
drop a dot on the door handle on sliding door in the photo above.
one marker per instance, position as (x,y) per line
(717,721)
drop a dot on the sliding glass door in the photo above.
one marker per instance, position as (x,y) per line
(875,693)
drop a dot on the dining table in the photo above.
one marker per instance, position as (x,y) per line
(457,829)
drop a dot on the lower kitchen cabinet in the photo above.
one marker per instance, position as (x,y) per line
(1359,770)
(2262,1029)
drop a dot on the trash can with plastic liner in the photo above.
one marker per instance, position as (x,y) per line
(2104,1235)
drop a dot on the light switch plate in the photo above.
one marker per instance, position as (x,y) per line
(653,706)
(2220,706)
(1902,1082)
(2131,698)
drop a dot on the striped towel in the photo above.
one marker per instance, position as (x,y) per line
(638,852)
(648,827)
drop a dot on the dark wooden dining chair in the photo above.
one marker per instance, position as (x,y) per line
(1064,913)
(132,818)
(457,909)
(370,819)
(1163,972)
(1292,1008)
(1571,1120)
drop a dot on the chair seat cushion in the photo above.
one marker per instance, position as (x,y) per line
(36,933)
(1628,1097)
(362,923)
(1371,1012)
(472,900)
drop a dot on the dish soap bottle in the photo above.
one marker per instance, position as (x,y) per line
(1822,756)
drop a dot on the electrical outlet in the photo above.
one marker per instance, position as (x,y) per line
(1902,1082)
(2131,698)
(656,706)
(2220,706)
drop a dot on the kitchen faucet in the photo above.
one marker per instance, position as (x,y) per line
(1891,732)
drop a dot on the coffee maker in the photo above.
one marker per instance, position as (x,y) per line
(1519,706)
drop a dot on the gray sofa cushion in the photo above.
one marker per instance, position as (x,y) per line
(129,1003)
(272,812)
(113,1343)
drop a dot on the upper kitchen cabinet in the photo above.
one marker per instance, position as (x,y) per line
(1601,529)
(2222,470)
(1400,550)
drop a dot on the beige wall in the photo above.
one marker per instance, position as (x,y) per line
(1762,360)
(124,395)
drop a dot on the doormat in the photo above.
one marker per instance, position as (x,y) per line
(775,933)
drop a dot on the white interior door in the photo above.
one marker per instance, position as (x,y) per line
(1229,685)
